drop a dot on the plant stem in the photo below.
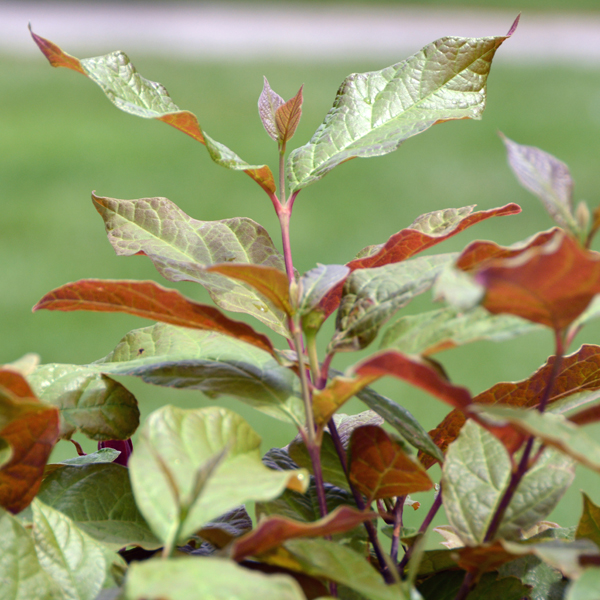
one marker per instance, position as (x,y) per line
(466,586)
(397,512)
(371,531)
(437,503)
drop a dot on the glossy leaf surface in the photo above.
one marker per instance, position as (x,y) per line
(445,328)
(275,530)
(149,300)
(190,466)
(475,474)
(375,112)
(136,95)
(75,561)
(268,103)
(372,296)
(552,284)
(577,380)
(21,574)
(546,177)
(28,430)
(209,577)
(88,401)
(181,248)
(99,500)
(379,467)
(215,364)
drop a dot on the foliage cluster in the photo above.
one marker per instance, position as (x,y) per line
(168,519)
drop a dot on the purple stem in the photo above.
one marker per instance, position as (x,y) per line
(397,512)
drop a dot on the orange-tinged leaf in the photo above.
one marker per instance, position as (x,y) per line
(551,284)
(184,121)
(151,301)
(16,383)
(484,558)
(481,251)
(287,117)
(579,372)
(270,282)
(56,57)
(426,231)
(274,530)
(413,370)
(379,467)
(30,428)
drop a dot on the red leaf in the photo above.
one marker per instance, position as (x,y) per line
(268,281)
(151,301)
(288,116)
(56,57)
(30,428)
(379,468)
(551,284)
(579,372)
(407,243)
(275,530)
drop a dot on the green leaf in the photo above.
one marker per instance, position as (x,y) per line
(6,452)
(136,95)
(21,574)
(321,558)
(372,296)
(104,455)
(375,112)
(401,420)
(589,523)
(445,328)
(554,430)
(546,177)
(181,248)
(88,401)
(316,283)
(586,587)
(547,583)
(331,468)
(476,472)
(190,466)
(215,364)
(152,301)
(210,577)
(445,585)
(99,500)
(75,561)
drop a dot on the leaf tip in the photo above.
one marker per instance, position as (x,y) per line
(514,26)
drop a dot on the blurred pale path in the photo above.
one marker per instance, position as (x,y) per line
(283,32)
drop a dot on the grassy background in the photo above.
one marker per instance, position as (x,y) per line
(61,139)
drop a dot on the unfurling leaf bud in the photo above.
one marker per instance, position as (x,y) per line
(288,116)
(268,103)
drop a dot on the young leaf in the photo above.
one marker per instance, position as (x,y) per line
(151,301)
(553,430)
(88,401)
(287,117)
(208,361)
(372,296)
(275,530)
(21,574)
(552,284)
(133,94)
(317,283)
(204,578)
(475,474)
(379,468)
(321,558)
(375,112)
(181,248)
(589,523)
(577,380)
(445,328)
(271,283)
(99,500)
(424,232)
(76,562)
(546,177)
(268,103)
(190,466)
(29,430)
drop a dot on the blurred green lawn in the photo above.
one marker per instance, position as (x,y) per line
(61,139)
